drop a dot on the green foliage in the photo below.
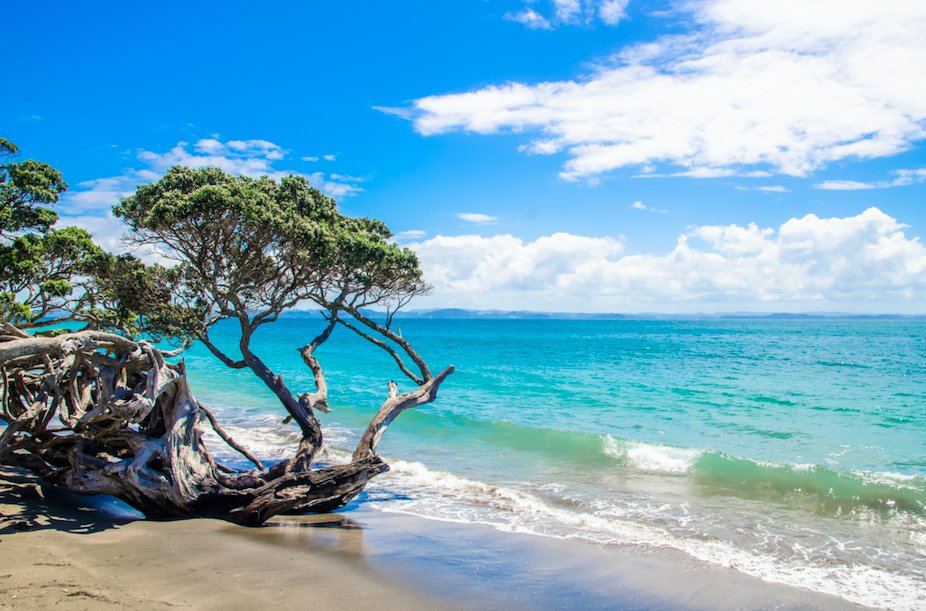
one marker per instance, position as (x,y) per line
(25,188)
(143,299)
(257,245)
(12,310)
(49,275)
(42,270)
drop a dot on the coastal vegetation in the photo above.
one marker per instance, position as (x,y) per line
(90,398)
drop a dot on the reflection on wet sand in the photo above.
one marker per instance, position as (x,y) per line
(333,531)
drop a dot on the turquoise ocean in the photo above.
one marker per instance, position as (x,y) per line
(794,451)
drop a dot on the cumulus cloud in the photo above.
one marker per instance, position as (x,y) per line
(904,178)
(310,158)
(568,11)
(102,193)
(810,262)
(473,264)
(787,86)
(479,219)
(612,11)
(329,157)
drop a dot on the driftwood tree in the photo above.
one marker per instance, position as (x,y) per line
(246,250)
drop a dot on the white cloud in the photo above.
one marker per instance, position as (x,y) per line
(768,189)
(329,157)
(465,263)
(904,178)
(642,206)
(789,86)
(843,185)
(570,12)
(105,228)
(248,148)
(402,113)
(347,178)
(100,194)
(908,177)
(331,187)
(411,233)
(479,219)
(310,158)
(706,173)
(529,18)
(858,263)
(211,154)
(612,11)
(210,146)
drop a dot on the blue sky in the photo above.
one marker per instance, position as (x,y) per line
(553,155)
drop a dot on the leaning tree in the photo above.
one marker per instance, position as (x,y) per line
(245,250)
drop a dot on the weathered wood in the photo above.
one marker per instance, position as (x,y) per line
(131,428)
(393,406)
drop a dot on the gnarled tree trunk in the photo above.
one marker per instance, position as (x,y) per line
(129,426)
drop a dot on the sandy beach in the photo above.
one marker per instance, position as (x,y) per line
(60,552)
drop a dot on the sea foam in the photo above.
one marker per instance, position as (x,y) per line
(651,457)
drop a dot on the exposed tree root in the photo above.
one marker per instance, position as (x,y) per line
(129,426)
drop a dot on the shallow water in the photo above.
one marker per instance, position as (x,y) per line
(792,450)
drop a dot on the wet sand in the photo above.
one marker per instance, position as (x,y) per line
(57,551)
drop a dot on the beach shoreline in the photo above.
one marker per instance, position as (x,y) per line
(59,551)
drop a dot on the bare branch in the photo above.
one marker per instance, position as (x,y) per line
(204,338)
(227,438)
(393,406)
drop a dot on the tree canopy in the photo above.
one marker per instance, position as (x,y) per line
(242,248)
(250,249)
(261,246)
(26,189)
(51,275)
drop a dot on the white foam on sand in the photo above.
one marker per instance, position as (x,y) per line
(415,489)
